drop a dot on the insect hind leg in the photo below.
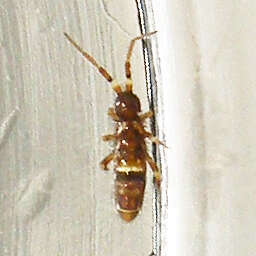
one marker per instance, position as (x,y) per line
(157,173)
(104,163)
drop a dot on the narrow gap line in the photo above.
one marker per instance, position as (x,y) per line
(151,83)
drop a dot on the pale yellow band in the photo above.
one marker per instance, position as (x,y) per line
(127,211)
(128,169)
(116,86)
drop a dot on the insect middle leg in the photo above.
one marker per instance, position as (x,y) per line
(155,140)
(109,137)
(146,134)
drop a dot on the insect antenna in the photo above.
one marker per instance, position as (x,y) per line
(116,87)
(128,58)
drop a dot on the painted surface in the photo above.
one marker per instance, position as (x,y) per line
(55,198)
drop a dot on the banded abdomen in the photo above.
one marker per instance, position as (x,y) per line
(129,194)
(130,173)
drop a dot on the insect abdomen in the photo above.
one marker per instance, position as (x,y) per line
(129,191)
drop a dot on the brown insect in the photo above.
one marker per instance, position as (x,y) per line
(130,155)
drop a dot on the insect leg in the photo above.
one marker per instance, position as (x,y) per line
(128,57)
(113,115)
(155,140)
(104,163)
(146,134)
(146,115)
(109,137)
(116,87)
(157,174)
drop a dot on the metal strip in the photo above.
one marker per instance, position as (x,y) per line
(152,99)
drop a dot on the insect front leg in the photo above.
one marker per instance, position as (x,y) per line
(146,115)
(104,163)
(113,115)
(157,174)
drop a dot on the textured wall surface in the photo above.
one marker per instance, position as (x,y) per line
(54,199)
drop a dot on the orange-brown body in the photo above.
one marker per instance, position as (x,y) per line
(130,155)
